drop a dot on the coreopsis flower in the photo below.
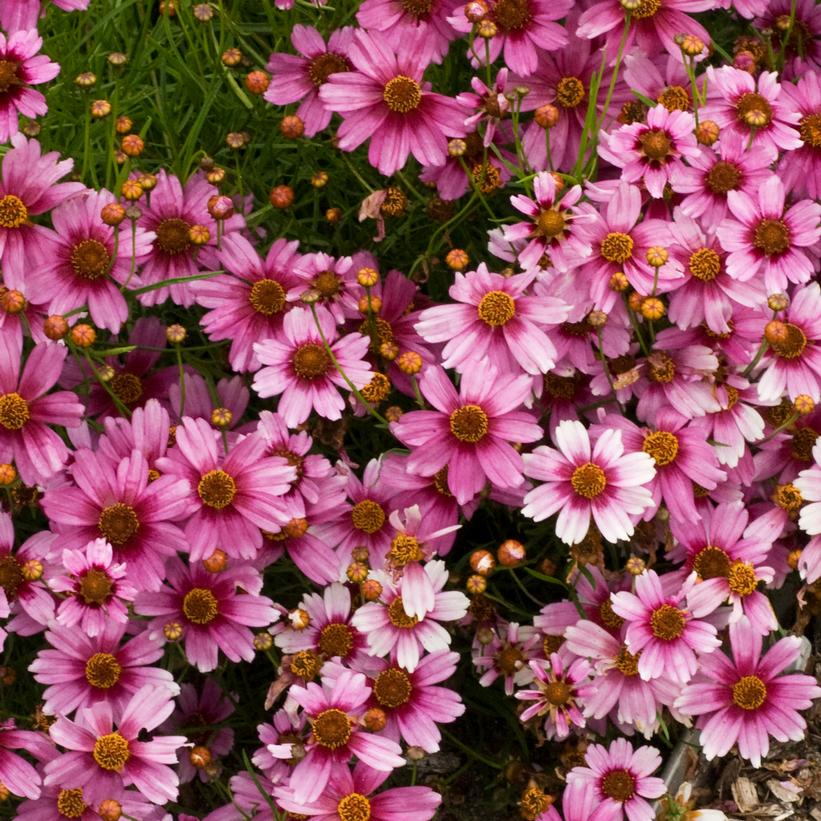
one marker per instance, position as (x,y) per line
(489,105)
(470,432)
(661,629)
(232,496)
(298,77)
(21,66)
(601,482)
(751,107)
(348,796)
(550,232)
(662,78)
(80,671)
(745,701)
(620,779)
(106,751)
(809,485)
(334,710)
(248,303)
(16,774)
(299,370)
(765,239)
(507,655)
(28,411)
(653,151)
(391,630)
(224,409)
(385,99)
(148,431)
(800,170)
(495,319)
(209,610)
(57,803)
(96,588)
(802,48)
(116,501)
(524,29)
(330,280)
(23,14)
(29,187)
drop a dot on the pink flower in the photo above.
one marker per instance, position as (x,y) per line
(489,105)
(752,108)
(605,484)
(96,587)
(80,671)
(495,320)
(507,654)
(745,701)
(209,611)
(300,77)
(347,796)
(247,303)
(800,170)
(23,14)
(105,753)
(333,710)
(653,151)
(299,370)
(620,780)
(22,67)
(470,432)
(332,280)
(802,48)
(809,485)
(385,99)
(54,800)
(27,410)
(664,635)
(765,238)
(16,774)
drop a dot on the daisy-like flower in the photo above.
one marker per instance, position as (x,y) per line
(334,710)
(58,803)
(231,497)
(330,280)
(115,501)
(80,671)
(21,67)
(391,630)
(560,684)
(507,654)
(386,100)
(800,170)
(801,41)
(206,610)
(620,780)
(24,14)
(495,319)
(524,28)
(471,431)
(96,588)
(550,232)
(768,240)
(299,370)
(794,361)
(752,108)
(489,105)
(16,774)
(247,303)
(28,410)
(348,797)
(809,485)
(29,187)
(603,483)
(652,151)
(661,630)
(105,753)
(745,701)
(296,77)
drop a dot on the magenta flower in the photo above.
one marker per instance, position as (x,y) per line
(80,671)
(105,753)
(299,370)
(745,701)
(653,151)
(767,240)
(231,497)
(16,774)
(330,280)
(488,104)
(605,484)
(495,320)
(27,410)
(470,432)
(802,49)
(248,302)
(660,631)
(55,802)
(208,611)
(620,780)
(525,28)
(348,796)
(23,14)
(117,502)
(295,78)
(809,485)
(385,99)
(20,67)
(507,654)
(96,588)
(800,170)
(334,710)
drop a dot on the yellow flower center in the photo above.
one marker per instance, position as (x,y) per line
(557,693)
(311,361)
(118,523)
(802,444)
(655,145)
(70,803)
(11,575)
(336,640)
(13,213)
(127,387)
(608,615)
(662,368)
(741,578)
(788,497)
(95,586)
(103,671)
(111,752)
(90,259)
(551,223)
(398,617)
(771,237)
(404,550)
(753,104)
(626,663)
(173,236)
(469,424)
(667,622)
(662,446)
(324,65)
(14,411)
(511,15)
(217,489)
(392,688)
(749,693)
(354,806)
(200,606)
(711,563)
(332,729)
(704,264)
(810,130)
(496,308)
(723,177)
(619,784)
(588,480)
(617,247)
(267,297)
(569,92)
(675,98)
(789,343)
(402,94)
(367,516)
